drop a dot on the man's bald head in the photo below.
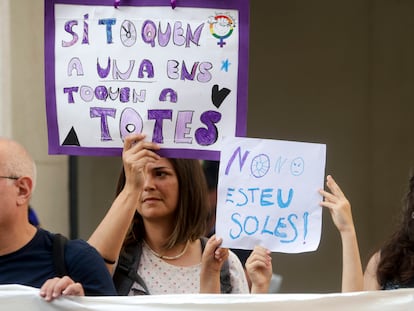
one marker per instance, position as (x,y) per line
(15,160)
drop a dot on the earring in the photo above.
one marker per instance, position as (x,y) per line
(412,215)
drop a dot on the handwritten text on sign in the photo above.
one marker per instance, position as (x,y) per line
(172,74)
(268,194)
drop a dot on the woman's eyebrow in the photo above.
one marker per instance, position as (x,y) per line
(163,167)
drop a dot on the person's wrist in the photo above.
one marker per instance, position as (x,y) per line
(348,232)
(260,288)
(210,271)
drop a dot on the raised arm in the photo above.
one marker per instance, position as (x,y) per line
(340,209)
(211,262)
(108,237)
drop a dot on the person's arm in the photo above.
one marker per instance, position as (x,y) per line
(212,260)
(340,209)
(86,274)
(370,274)
(108,237)
(259,270)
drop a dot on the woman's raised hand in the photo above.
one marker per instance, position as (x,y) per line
(137,153)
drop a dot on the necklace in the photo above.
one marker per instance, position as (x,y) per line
(168,257)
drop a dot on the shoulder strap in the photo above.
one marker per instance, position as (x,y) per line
(225,283)
(126,271)
(58,251)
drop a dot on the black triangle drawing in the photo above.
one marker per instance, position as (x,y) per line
(71,139)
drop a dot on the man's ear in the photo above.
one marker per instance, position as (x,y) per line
(25,186)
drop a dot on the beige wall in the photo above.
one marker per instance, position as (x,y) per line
(23,81)
(336,72)
(5,114)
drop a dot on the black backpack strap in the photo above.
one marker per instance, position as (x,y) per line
(225,283)
(126,271)
(58,252)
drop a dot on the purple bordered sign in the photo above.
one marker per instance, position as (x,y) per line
(177,73)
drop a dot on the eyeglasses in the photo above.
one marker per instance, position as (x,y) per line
(10,177)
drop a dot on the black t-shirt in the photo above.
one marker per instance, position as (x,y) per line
(33,264)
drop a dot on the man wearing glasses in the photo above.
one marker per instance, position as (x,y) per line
(26,251)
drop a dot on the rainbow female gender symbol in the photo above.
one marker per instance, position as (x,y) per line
(222,28)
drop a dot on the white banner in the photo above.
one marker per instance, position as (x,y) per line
(16,298)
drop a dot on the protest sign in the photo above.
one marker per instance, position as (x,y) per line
(177,74)
(268,194)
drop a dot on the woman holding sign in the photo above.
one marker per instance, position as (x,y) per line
(157,220)
(258,265)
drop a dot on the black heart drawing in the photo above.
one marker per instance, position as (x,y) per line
(218,96)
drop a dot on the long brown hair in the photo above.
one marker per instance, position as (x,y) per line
(191,212)
(396,264)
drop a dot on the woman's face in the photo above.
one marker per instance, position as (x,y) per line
(159,197)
